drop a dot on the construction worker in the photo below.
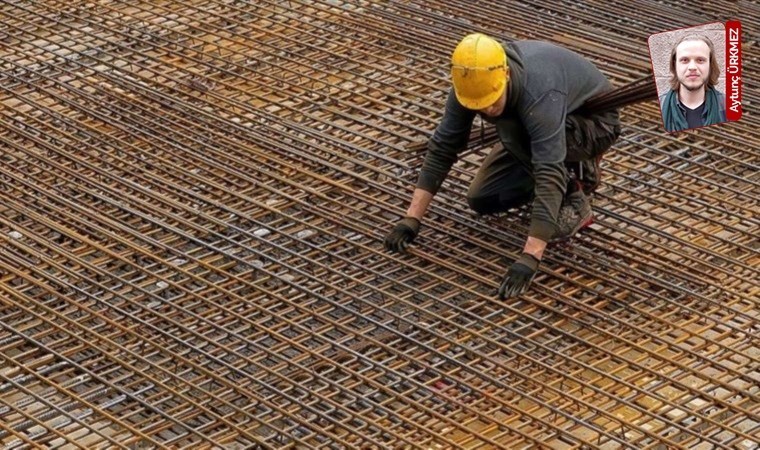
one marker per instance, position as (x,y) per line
(548,155)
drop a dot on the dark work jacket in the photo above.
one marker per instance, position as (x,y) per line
(708,117)
(547,82)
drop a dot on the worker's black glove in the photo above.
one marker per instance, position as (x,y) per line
(402,234)
(519,276)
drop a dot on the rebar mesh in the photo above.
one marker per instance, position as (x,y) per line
(194,195)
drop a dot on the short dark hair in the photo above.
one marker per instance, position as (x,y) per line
(712,80)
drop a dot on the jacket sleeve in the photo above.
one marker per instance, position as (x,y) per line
(545,123)
(722,104)
(449,139)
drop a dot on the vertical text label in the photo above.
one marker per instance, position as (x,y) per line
(733,70)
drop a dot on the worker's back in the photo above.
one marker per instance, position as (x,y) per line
(545,66)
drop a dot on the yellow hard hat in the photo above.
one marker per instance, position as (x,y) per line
(478,71)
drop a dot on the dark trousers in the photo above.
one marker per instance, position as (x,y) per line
(505,180)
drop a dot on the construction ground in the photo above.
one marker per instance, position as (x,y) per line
(194,196)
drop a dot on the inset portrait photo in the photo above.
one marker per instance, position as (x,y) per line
(689,69)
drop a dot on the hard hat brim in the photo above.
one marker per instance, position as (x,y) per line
(479,103)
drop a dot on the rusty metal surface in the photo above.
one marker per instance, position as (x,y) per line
(194,195)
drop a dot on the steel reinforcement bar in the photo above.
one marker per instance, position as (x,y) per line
(194,196)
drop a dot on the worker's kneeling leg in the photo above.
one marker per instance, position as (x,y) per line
(498,202)
(587,138)
(498,189)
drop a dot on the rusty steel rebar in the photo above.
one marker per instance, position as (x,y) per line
(194,196)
